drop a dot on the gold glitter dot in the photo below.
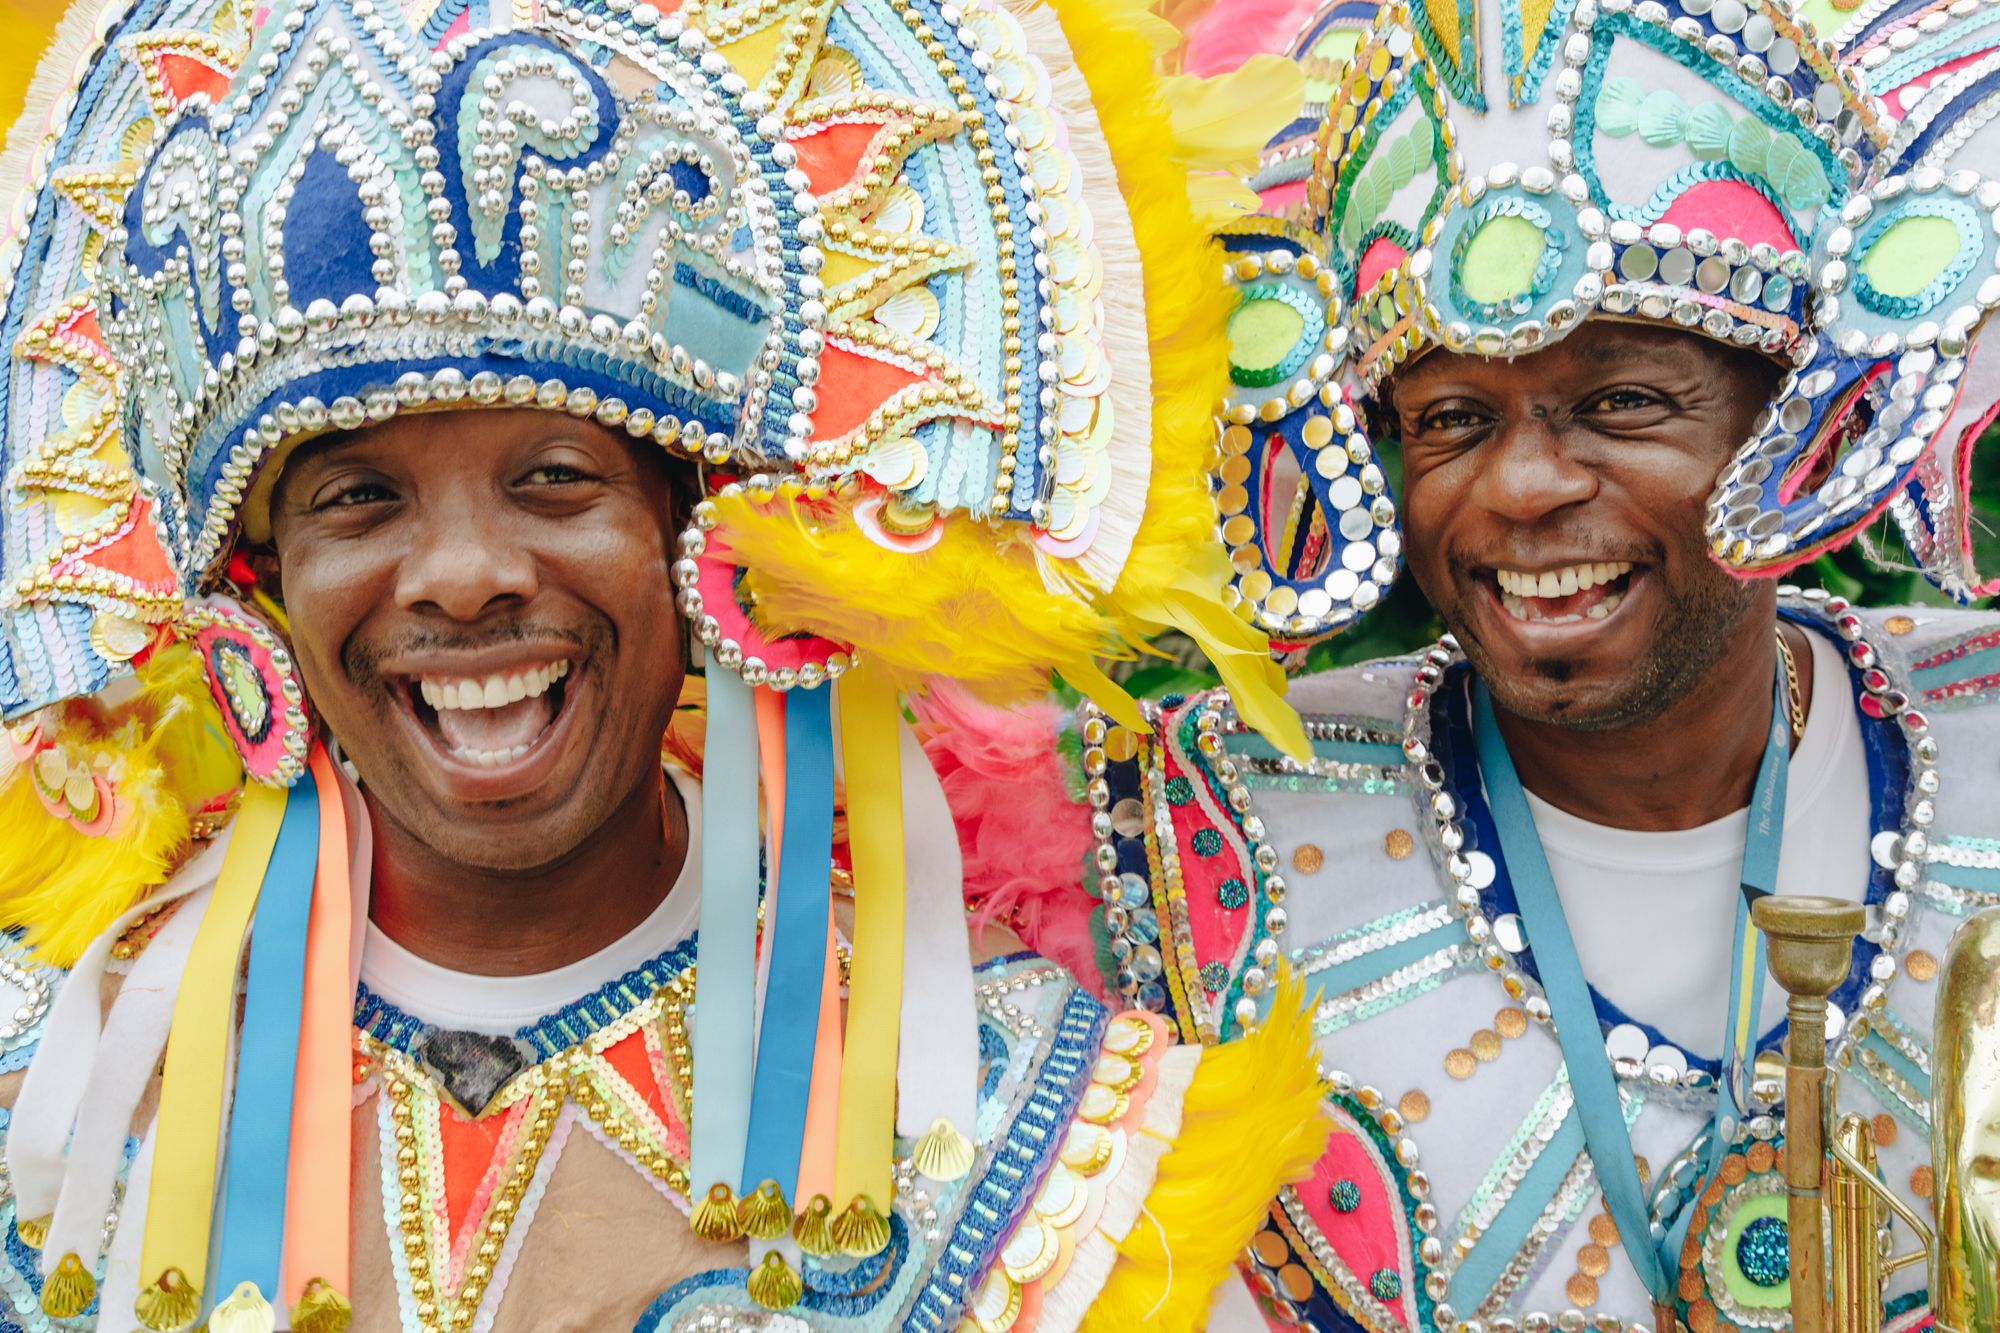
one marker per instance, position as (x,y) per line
(1415,1105)
(1307,858)
(1921,964)
(1593,1261)
(1399,844)
(1511,1022)
(1734,1168)
(1701,1317)
(1899,625)
(1603,1230)
(1885,1130)
(1761,1157)
(1581,1290)
(1459,1063)
(1921,1182)
(1486,1044)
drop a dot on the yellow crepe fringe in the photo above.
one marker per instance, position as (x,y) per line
(1251,1122)
(164,753)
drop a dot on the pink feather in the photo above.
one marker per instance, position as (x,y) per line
(1234,30)
(1026,843)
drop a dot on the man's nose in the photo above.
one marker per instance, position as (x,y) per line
(465,559)
(1530,472)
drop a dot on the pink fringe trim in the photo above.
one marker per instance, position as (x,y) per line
(1026,844)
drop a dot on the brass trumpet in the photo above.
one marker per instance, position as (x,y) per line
(1838,1202)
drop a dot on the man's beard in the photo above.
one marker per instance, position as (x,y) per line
(1696,629)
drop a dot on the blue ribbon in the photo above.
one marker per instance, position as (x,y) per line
(1654,1253)
(790,1028)
(260,1120)
(726,943)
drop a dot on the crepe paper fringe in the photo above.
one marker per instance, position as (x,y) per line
(1252,1122)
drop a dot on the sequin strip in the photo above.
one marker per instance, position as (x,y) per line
(1497,1189)
(1408,924)
(1397,988)
(1572,1197)
(1017,1167)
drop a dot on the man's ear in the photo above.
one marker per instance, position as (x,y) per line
(264,567)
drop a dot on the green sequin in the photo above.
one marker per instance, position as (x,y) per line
(1207,842)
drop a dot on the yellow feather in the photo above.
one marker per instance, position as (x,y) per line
(166,756)
(973,607)
(1252,1122)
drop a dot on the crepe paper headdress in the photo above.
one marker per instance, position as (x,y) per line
(926,292)
(1491,174)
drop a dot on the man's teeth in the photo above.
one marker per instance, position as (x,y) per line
(491,758)
(495,691)
(1560,582)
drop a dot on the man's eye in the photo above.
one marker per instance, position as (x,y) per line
(1625,400)
(355,495)
(1449,419)
(557,474)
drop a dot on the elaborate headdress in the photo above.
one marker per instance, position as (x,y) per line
(924,288)
(1813,183)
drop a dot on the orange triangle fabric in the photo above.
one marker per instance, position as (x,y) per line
(854,385)
(183,76)
(473,1151)
(832,155)
(634,1064)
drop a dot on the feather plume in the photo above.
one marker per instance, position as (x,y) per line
(164,757)
(1002,773)
(1251,1123)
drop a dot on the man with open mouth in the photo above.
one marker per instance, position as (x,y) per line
(422,417)
(1634,294)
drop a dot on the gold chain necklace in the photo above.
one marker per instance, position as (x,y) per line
(1794,698)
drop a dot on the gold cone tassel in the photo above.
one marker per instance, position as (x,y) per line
(774,1285)
(765,1214)
(943,1154)
(246,1311)
(69,1290)
(321,1309)
(718,1217)
(861,1230)
(170,1304)
(813,1229)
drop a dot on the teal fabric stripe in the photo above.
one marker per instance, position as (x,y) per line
(790,1028)
(1358,972)
(258,1161)
(1339,752)
(1979,879)
(726,943)
(1984,662)
(1902,1064)
(1502,1241)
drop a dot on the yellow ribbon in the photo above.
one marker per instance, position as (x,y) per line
(189,1137)
(872,752)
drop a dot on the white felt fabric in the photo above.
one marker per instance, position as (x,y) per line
(937,1068)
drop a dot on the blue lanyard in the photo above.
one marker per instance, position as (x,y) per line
(1654,1252)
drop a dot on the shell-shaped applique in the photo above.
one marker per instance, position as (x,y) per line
(1662,119)
(1707,131)
(1795,173)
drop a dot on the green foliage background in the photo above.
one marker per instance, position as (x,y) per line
(1873,571)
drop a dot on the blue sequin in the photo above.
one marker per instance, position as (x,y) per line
(1232,893)
(1345,1196)
(1763,1252)
(1207,842)
(1386,1284)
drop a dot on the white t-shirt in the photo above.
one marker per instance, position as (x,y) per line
(502,1006)
(1633,896)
